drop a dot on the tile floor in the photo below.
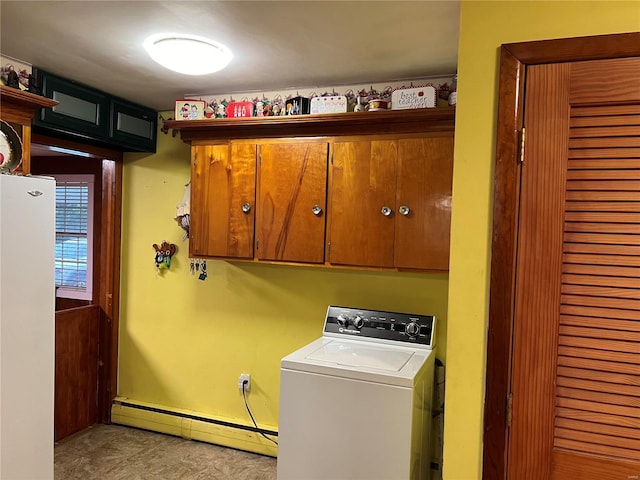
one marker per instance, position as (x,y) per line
(114,452)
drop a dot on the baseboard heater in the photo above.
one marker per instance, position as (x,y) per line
(192,426)
(198,418)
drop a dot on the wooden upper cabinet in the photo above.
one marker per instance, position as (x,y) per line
(292,191)
(223,200)
(363,187)
(391,202)
(366,190)
(423,202)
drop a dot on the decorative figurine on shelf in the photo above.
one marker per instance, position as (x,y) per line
(276,106)
(351,100)
(443,95)
(453,96)
(164,252)
(359,107)
(221,110)
(33,86)
(13,80)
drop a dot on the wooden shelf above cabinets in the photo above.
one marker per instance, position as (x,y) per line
(20,107)
(335,124)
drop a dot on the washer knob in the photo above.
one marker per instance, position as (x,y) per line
(357,322)
(412,329)
(342,320)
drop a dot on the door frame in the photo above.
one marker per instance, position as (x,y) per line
(514,58)
(107,293)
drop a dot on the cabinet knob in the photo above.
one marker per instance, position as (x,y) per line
(404,210)
(246,207)
(317,210)
(386,211)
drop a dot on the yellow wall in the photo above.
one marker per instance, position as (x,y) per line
(484,27)
(184,342)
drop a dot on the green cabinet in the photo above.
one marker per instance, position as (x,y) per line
(133,126)
(81,110)
(95,116)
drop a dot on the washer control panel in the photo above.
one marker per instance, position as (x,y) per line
(403,327)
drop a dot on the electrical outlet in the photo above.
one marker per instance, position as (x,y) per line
(244,377)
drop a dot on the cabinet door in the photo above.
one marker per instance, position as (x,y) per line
(292,193)
(223,200)
(133,126)
(81,110)
(363,189)
(425,173)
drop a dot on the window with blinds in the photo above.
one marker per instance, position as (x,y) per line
(74,236)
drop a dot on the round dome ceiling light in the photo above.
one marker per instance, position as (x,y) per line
(187,54)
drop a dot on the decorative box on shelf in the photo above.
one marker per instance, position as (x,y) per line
(297,106)
(188,109)
(240,109)
(333,104)
(414,97)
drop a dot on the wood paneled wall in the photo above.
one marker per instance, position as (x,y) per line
(76,369)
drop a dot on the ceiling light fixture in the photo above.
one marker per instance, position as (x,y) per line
(187,54)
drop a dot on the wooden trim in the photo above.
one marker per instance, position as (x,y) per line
(576,49)
(502,293)
(26,149)
(514,59)
(107,291)
(382,122)
(109,297)
(92,150)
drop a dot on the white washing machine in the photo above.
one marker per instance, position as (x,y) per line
(356,403)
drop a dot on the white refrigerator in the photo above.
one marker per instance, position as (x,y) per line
(27,326)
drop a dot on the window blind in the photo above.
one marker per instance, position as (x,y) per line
(73,233)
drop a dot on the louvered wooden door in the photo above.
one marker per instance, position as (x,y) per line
(576,351)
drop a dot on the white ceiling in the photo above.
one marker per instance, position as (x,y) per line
(276,44)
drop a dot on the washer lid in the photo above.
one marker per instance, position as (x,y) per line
(359,355)
(369,361)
